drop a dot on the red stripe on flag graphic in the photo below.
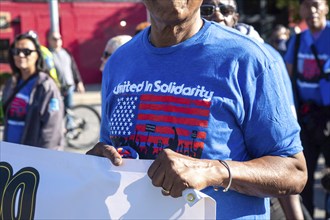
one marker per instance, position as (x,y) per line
(178,100)
(173,119)
(173,108)
(163,109)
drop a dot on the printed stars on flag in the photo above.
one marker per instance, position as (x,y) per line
(121,122)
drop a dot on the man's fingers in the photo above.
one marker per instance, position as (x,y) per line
(165,192)
(112,153)
(96,150)
(103,150)
(153,168)
(168,182)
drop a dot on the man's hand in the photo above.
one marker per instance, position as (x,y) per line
(80,87)
(175,172)
(103,150)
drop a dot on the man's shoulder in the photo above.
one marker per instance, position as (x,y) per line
(220,30)
(273,51)
(65,51)
(230,37)
(327,27)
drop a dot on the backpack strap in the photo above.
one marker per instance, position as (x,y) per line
(314,50)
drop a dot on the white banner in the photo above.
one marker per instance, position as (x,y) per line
(37,183)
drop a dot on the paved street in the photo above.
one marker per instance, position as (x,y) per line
(93,98)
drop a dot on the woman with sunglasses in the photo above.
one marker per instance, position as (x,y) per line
(32,102)
(223,12)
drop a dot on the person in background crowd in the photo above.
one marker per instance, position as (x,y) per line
(141,26)
(112,45)
(32,101)
(207,106)
(227,15)
(66,68)
(279,38)
(48,58)
(312,87)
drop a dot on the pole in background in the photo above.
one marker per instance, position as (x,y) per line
(54,16)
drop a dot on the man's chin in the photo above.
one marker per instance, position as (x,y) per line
(314,23)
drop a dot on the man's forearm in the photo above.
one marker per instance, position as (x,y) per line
(269,176)
(291,207)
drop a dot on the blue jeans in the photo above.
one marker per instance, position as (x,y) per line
(68,103)
(68,97)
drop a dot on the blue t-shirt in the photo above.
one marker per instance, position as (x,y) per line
(307,67)
(17,112)
(213,96)
(284,74)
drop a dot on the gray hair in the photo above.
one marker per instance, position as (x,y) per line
(115,42)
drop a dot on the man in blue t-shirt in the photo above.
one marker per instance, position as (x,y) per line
(203,102)
(312,88)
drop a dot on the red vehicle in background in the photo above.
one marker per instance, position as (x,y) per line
(85,26)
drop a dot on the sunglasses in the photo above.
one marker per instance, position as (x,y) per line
(25,51)
(209,10)
(106,54)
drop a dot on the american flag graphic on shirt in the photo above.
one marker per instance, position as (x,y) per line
(149,123)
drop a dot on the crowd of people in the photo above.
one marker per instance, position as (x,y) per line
(32,103)
(40,90)
(214,104)
(307,56)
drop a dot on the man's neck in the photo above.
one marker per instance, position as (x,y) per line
(318,29)
(163,35)
(26,73)
(56,49)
